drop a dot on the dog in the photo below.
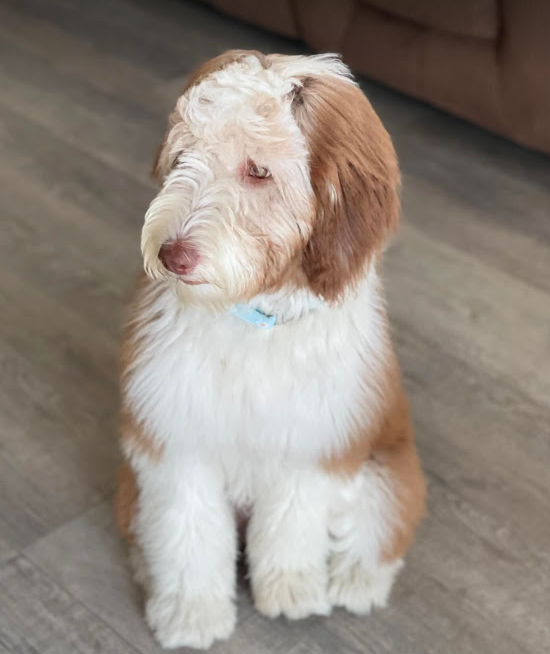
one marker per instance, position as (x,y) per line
(258,378)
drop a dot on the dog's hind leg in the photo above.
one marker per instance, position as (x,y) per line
(371,525)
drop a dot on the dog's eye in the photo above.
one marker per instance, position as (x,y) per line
(260,172)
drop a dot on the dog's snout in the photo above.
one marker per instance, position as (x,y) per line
(179,257)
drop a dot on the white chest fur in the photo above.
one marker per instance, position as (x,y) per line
(206,381)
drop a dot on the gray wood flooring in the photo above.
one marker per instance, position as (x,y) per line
(85,88)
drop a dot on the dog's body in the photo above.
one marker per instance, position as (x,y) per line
(303,428)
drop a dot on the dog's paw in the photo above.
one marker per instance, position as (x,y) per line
(294,594)
(359,589)
(178,621)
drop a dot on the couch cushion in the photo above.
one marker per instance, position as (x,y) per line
(453,72)
(474,18)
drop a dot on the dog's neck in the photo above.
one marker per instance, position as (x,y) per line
(287,304)
(293,302)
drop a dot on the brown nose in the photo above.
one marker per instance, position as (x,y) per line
(180,257)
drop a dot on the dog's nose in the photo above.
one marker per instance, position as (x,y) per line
(180,257)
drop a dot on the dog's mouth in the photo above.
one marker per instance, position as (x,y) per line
(191,282)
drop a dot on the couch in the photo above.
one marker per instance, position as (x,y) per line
(487,61)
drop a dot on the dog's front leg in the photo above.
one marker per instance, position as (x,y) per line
(287,545)
(185,530)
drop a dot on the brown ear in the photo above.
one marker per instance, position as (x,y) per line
(162,161)
(355,179)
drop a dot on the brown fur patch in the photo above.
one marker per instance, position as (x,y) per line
(349,462)
(410,488)
(134,437)
(355,179)
(395,449)
(126,500)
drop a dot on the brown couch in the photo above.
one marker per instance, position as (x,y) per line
(485,60)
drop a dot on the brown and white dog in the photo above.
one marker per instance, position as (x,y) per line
(279,191)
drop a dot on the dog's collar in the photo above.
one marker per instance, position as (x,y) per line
(266,310)
(253,316)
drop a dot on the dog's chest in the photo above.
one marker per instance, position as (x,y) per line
(216,383)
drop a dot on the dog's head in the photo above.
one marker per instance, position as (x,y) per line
(275,170)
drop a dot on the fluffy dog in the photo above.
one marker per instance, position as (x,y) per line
(258,377)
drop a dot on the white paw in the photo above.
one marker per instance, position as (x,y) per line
(359,589)
(178,621)
(294,594)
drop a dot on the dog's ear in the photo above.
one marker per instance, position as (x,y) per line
(163,160)
(355,180)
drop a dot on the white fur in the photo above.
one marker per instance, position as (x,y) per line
(318,368)
(287,544)
(186,534)
(243,416)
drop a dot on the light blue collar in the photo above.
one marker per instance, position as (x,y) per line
(253,316)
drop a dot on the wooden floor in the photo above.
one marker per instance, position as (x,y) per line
(85,88)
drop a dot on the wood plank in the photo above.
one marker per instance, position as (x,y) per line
(60,232)
(75,113)
(59,449)
(77,56)
(40,617)
(470,227)
(479,170)
(87,558)
(6,552)
(58,404)
(481,314)
(119,29)
(150,34)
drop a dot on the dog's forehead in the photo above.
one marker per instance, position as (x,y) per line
(249,75)
(247,105)
(243,88)
(243,105)
(258,84)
